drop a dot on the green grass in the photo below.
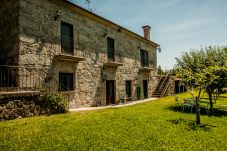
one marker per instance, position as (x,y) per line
(150,126)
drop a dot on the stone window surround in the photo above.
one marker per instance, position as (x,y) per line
(72,82)
(72,38)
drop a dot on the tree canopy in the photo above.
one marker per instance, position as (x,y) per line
(205,68)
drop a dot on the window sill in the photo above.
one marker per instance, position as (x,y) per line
(71,58)
(113,64)
(146,69)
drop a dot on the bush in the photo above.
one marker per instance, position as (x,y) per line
(54,103)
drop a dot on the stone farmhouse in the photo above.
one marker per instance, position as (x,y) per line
(59,46)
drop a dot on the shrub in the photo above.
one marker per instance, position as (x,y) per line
(54,103)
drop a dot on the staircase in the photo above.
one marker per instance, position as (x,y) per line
(162,86)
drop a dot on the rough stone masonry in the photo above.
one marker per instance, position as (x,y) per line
(30,36)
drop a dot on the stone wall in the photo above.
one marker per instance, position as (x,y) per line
(18,105)
(40,44)
(19,108)
(9,13)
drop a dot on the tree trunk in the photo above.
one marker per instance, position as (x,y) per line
(210,98)
(197,111)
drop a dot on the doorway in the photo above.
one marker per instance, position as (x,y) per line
(145,89)
(110,92)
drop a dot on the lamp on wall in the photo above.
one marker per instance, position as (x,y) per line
(103,75)
(159,49)
(140,46)
(57,15)
(105,33)
(150,78)
(119,29)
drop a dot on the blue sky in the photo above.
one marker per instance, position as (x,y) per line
(177,25)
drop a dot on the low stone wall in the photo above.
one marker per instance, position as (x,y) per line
(24,106)
(20,108)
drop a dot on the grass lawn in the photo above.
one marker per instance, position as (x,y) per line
(153,125)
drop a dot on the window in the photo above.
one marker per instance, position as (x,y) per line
(144,58)
(128,88)
(110,49)
(67,38)
(65,81)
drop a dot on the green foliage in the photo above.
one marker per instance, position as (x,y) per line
(204,69)
(54,103)
(148,126)
(206,66)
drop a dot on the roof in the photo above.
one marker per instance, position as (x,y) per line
(119,27)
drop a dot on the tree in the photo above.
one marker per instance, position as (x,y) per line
(203,69)
(160,71)
(196,81)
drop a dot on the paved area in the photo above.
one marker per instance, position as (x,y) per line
(112,106)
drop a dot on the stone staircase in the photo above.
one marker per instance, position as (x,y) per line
(161,87)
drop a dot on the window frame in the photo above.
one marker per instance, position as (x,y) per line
(111,49)
(69,86)
(144,58)
(67,39)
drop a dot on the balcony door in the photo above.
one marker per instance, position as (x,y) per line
(110,49)
(110,92)
(67,46)
(144,59)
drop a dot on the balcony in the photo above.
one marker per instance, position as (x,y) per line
(114,59)
(67,45)
(77,57)
(147,67)
(68,53)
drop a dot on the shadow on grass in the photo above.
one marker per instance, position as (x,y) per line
(191,125)
(222,96)
(216,112)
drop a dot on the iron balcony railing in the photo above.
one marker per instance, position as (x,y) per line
(67,45)
(114,56)
(25,78)
(148,64)
(67,48)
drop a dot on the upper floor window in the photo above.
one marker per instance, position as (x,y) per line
(67,38)
(144,60)
(110,49)
(65,81)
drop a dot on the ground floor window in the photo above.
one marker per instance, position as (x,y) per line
(128,88)
(66,81)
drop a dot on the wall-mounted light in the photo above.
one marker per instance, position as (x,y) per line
(105,34)
(159,49)
(57,15)
(49,78)
(140,46)
(103,75)
(150,78)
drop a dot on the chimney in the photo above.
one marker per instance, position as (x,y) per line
(146,30)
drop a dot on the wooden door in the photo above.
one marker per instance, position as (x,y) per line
(110,92)
(145,88)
